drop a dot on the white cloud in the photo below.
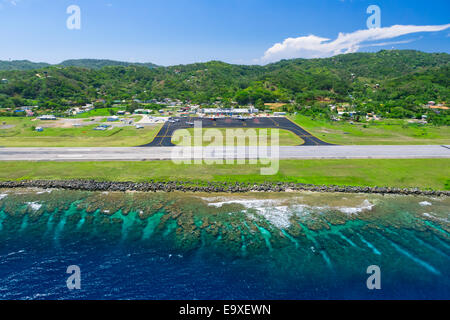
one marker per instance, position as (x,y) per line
(382,44)
(10,2)
(316,47)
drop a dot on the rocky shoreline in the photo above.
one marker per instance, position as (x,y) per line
(212,187)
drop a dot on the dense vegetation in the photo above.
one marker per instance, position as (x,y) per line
(21,65)
(391,83)
(82,63)
(98,64)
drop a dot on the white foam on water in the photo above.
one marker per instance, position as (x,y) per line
(41,295)
(425,203)
(432,216)
(3,196)
(272,210)
(279,214)
(247,203)
(14,253)
(34,205)
(366,205)
(45,191)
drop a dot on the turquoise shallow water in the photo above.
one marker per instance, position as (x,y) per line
(222,246)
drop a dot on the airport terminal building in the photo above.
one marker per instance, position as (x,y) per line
(229,112)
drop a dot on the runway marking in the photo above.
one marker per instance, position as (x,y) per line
(312,136)
(275,122)
(310,152)
(168,126)
(159,132)
(165,135)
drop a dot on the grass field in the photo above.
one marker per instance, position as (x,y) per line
(422,173)
(104,112)
(22,134)
(286,138)
(19,132)
(387,132)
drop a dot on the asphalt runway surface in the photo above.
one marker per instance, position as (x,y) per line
(164,136)
(182,153)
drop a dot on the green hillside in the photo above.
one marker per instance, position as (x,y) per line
(100,63)
(82,63)
(392,83)
(21,65)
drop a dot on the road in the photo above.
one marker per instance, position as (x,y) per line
(168,153)
(164,136)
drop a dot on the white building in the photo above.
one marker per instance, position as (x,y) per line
(230,111)
(47,117)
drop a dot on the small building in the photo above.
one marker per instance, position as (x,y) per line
(340,110)
(230,111)
(47,117)
(142,111)
(113,118)
(372,116)
(39,129)
(102,127)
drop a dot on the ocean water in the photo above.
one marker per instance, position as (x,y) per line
(222,246)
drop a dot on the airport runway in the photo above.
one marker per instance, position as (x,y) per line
(178,153)
(164,136)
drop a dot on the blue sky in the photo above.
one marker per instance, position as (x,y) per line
(168,32)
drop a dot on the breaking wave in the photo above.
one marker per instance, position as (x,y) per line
(278,213)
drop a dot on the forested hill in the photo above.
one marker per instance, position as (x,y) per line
(98,64)
(82,63)
(390,78)
(21,65)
